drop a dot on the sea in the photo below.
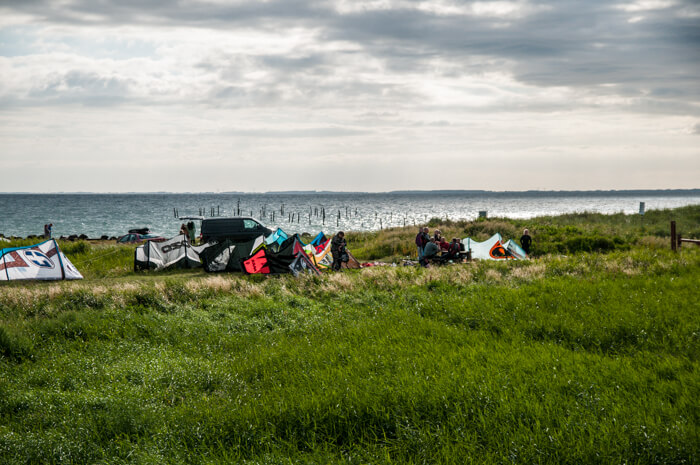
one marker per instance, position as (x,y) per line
(97,215)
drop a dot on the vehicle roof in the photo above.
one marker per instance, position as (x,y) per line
(222,218)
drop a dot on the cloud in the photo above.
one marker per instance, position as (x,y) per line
(544,46)
(350,79)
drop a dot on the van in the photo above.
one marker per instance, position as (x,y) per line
(237,229)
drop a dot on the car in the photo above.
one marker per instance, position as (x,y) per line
(237,229)
(135,238)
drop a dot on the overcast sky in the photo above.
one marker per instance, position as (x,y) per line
(220,95)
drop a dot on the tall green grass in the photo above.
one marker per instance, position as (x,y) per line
(586,359)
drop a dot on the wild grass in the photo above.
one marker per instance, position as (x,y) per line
(585,358)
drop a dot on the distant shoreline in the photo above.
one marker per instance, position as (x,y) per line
(529,193)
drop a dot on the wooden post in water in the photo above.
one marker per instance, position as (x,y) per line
(673,236)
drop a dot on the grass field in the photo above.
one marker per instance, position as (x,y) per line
(588,357)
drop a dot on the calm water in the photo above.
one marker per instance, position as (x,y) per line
(114,214)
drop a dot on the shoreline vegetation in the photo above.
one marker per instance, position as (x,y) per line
(588,353)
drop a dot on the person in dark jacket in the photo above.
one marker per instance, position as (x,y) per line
(526,241)
(191,231)
(422,239)
(339,250)
(430,252)
(453,249)
(419,243)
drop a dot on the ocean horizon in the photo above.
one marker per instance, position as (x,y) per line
(113,214)
(693,191)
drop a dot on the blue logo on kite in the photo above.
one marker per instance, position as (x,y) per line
(38,258)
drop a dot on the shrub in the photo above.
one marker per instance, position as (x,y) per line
(75,248)
(14,347)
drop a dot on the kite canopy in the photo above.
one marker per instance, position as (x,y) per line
(276,238)
(228,255)
(352,262)
(290,257)
(176,252)
(494,249)
(319,239)
(43,261)
(320,254)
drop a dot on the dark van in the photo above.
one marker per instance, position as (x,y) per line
(237,229)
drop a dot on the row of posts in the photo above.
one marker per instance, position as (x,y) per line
(295,217)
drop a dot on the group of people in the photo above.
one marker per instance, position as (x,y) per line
(436,247)
(47,230)
(189,231)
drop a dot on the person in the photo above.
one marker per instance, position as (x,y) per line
(422,238)
(339,250)
(191,230)
(437,235)
(183,230)
(419,243)
(453,249)
(526,241)
(463,252)
(47,230)
(444,245)
(430,251)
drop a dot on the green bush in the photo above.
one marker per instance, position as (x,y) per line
(75,248)
(14,347)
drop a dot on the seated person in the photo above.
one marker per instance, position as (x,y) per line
(463,252)
(453,249)
(430,252)
(444,245)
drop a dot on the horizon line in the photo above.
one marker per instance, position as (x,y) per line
(398,191)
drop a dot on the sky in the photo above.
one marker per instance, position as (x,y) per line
(348,95)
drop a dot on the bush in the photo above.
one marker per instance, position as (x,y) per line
(14,347)
(593,244)
(75,248)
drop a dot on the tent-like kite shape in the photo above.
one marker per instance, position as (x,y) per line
(43,261)
(276,238)
(494,249)
(286,259)
(173,253)
(228,255)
